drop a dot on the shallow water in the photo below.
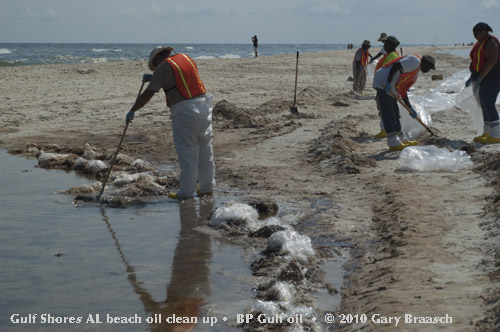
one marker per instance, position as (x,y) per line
(328,302)
(59,261)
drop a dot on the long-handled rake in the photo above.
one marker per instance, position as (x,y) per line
(97,199)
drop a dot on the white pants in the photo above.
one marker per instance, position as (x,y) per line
(192,131)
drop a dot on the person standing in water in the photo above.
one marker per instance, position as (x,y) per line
(255,42)
(191,114)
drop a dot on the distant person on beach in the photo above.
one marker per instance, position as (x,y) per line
(390,45)
(393,81)
(361,59)
(255,42)
(191,115)
(485,80)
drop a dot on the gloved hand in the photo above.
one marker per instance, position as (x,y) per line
(146,78)
(371,61)
(468,82)
(413,113)
(129,117)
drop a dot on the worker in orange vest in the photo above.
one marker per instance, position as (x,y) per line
(361,60)
(485,78)
(393,81)
(191,115)
(390,44)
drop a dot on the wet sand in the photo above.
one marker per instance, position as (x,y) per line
(425,244)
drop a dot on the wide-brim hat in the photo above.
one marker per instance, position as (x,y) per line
(155,52)
(366,43)
(382,37)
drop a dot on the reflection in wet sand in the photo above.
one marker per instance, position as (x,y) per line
(189,282)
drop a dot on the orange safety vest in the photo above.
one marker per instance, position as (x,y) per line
(386,58)
(406,80)
(478,55)
(364,57)
(187,78)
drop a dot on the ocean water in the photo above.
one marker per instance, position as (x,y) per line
(12,54)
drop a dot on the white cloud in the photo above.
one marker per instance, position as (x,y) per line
(28,12)
(190,12)
(489,4)
(322,8)
(49,12)
(325,9)
(126,13)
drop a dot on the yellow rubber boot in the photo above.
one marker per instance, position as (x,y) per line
(201,194)
(494,136)
(478,139)
(173,195)
(397,147)
(382,134)
(410,143)
(489,140)
(486,132)
(403,145)
(394,142)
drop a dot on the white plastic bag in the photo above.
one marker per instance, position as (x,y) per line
(468,101)
(435,101)
(453,84)
(410,126)
(236,211)
(370,70)
(443,96)
(291,242)
(282,292)
(95,166)
(430,158)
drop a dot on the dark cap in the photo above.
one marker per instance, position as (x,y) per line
(481,26)
(430,59)
(392,39)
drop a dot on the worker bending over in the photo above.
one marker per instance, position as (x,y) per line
(191,115)
(393,81)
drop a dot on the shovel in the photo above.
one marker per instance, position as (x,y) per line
(98,199)
(293,108)
(410,112)
(419,121)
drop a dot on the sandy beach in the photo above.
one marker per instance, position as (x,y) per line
(423,243)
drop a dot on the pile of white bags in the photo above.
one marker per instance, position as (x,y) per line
(430,158)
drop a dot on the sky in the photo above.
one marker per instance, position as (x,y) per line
(234,21)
